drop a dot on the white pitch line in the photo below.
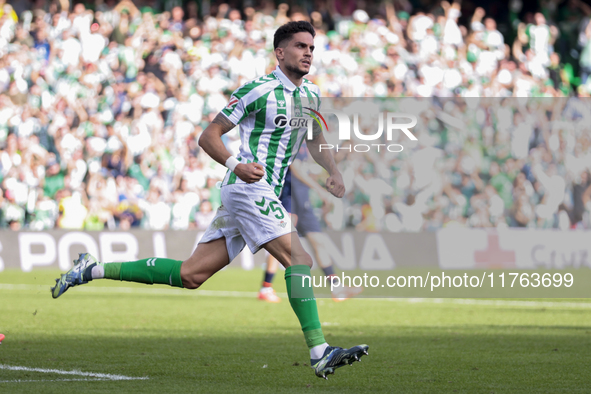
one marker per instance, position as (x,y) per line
(9,286)
(106,376)
(251,294)
(54,380)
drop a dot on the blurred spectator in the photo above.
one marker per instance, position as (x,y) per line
(204,216)
(101,109)
(156,210)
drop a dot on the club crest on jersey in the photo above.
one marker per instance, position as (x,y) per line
(232,103)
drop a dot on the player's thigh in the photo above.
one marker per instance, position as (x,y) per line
(205,261)
(288,250)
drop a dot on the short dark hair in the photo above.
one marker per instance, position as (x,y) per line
(287,31)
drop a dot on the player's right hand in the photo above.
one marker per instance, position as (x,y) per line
(249,172)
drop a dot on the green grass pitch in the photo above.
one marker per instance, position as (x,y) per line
(223,340)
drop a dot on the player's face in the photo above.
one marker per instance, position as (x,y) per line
(298,54)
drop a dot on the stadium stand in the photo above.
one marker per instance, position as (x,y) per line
(101,109)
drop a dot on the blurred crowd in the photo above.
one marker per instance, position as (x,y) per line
(477,162)
(101,109)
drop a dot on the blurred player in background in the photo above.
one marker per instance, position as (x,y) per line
(295,197)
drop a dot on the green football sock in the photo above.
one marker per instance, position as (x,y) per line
(150,271)
(303,303)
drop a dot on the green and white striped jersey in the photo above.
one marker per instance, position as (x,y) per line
(262,109)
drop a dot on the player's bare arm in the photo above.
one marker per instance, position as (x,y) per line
(211,142)
(334,183)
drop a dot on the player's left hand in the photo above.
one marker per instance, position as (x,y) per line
(335,185)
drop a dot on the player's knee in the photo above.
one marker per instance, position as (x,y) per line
(191,285)
(304,259)
(189,282)
(192,281)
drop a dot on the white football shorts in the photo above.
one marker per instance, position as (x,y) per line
(251,214)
